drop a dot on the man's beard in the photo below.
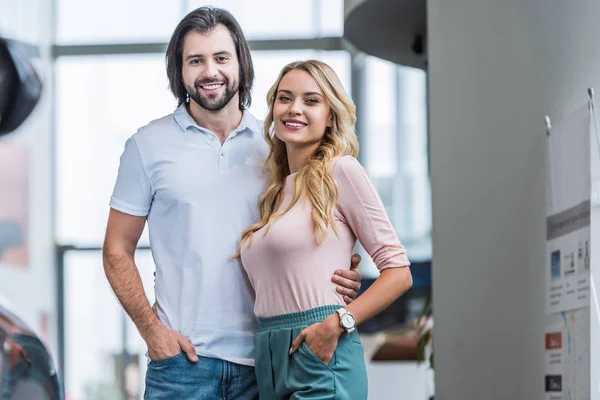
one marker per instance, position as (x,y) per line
(212,102)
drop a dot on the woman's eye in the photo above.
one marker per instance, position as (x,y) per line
(284,98)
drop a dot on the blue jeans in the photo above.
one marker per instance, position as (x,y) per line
(178,378)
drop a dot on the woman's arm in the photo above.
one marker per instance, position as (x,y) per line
(391,284)
(361,207)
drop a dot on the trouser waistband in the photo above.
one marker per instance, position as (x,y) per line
(301,318)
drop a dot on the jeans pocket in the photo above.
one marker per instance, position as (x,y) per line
(165,361)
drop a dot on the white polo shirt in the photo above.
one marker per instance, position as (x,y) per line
(198,197)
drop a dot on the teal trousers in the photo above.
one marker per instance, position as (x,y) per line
(303,375)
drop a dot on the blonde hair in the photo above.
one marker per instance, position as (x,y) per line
(315,178)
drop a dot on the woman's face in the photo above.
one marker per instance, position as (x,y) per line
(300,112)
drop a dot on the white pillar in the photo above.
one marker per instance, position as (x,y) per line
(496,68)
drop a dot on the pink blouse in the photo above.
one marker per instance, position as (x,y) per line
(291,272)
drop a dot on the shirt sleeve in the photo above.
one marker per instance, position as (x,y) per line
(133,190)
(362,208)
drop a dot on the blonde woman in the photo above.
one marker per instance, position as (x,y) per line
(319,200)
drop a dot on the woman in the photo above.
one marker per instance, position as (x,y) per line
(319,200)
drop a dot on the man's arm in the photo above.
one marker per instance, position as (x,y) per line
(122,235)
(348,282)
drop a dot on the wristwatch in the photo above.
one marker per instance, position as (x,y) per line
(347,320)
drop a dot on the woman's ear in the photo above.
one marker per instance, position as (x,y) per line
(330,121)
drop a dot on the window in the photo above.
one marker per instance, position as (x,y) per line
(101,101)
(412,170)
(116,21)
(395,143)
(98,331)
(22,21)
(268,19)
(380,106)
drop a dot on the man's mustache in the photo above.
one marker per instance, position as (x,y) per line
(210,82)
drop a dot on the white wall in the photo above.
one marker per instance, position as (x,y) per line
(31,290)
(496,68)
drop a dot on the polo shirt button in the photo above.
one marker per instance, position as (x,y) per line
(222,153)
(213,138)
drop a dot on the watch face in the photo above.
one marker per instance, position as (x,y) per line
(347,321)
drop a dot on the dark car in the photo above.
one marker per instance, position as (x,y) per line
(27,369)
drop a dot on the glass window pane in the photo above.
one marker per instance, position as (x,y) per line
(412,171)
(414,164)
(94,334)
(332,18)
(116,21)
(381,117)
(396,152)
(271,19)
(23,20)
(101,101)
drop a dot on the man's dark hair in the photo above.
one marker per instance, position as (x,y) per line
(204,20)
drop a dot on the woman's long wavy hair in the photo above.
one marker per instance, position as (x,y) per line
(315,179)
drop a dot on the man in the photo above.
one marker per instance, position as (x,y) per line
(196,177)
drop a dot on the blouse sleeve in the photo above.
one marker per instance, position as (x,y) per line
(361,207)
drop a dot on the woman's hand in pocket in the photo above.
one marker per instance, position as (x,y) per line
(322,338)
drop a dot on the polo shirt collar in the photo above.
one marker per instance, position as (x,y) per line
(249,122)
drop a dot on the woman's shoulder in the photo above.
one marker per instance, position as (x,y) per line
(346,166)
